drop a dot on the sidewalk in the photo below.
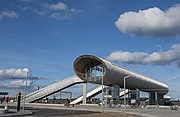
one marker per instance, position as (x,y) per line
(14,113)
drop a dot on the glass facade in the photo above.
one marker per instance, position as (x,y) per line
(94,73)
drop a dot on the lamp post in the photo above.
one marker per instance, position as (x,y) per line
(102,91)
(25,88)
(125,93)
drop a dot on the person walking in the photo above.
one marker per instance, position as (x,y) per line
(68,103)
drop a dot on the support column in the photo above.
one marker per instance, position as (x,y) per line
(84,92)
(133,94)
(129,98)
(152,98)
(115,94)
(160,99)
(137,96)
(156,98)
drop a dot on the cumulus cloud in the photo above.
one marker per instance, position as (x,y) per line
(58,11)
(58,6)
(8,14)
(16,78)
(17,84)
(151,22)
(155,58)
(14,74)
(61,16)
(20,83)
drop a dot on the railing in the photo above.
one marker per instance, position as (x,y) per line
(52,88)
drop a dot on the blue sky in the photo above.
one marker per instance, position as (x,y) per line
(47,36)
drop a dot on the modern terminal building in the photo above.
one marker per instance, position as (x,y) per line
(92,69)
(96,70)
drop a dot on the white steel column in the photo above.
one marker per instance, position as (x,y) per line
(156,98)
(125,93)
(25,91)
(102,81)
(84,92)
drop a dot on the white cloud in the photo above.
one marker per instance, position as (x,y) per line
(20,83)
(55,15)
(124,56)
(6,74)
(41,13)
(8,14)
(17,84)
(151,22)
(15,78)
(58,11)
(58,6)
(155,58)
(14,74)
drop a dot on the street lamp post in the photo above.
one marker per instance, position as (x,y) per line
(102,92)
(125,93)
(25,88)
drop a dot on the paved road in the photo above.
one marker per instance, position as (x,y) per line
(45,110)
(157,112)
(154,112)
(56,112)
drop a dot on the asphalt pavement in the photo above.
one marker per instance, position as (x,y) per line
(46,110)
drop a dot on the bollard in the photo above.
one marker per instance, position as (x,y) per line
(19,101)
(6,108)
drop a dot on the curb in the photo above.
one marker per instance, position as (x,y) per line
(16,114)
